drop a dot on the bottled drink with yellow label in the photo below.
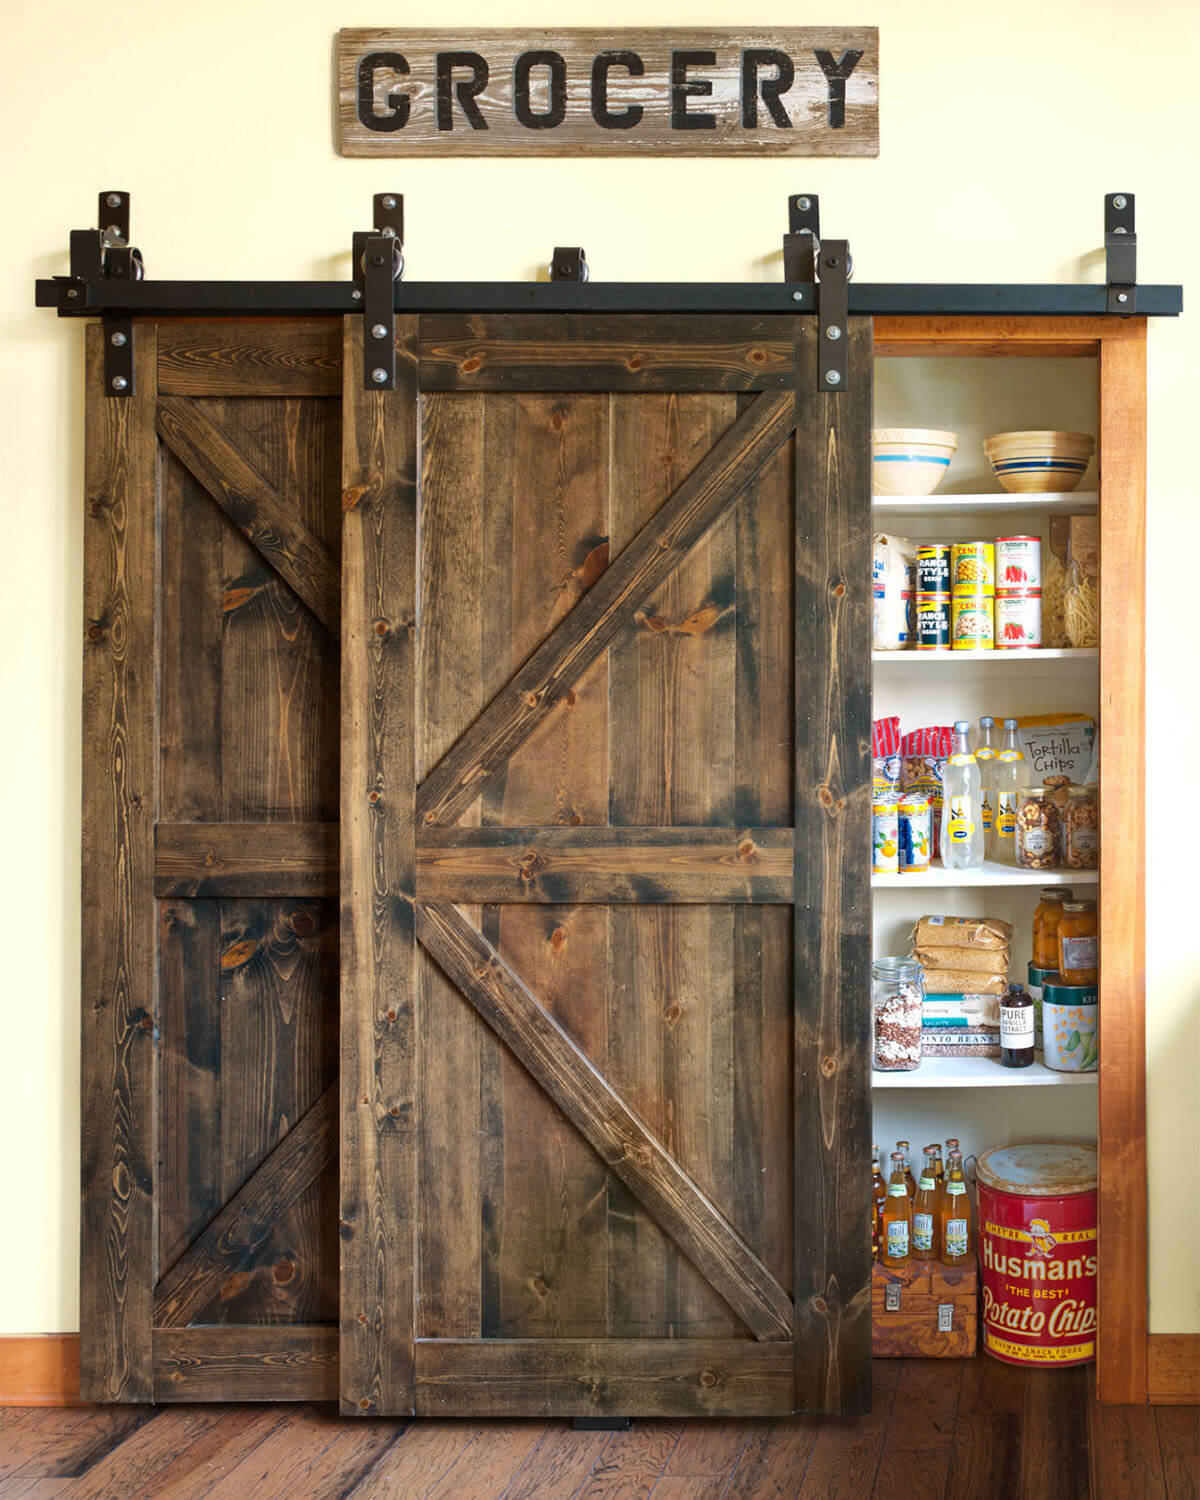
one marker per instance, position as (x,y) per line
(878,1194)
(925,1244)
(962,811)
(955,1216)
(896,1228)
(1007,775)
(985,755)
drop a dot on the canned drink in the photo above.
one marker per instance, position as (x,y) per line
(933,568)
(1018,620)
(933,622)
(885,836)
(916,834)
(973,568)
(972,623)
(1018,563)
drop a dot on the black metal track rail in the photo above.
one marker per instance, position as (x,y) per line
(161,299)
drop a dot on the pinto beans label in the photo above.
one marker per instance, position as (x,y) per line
(1038,1267)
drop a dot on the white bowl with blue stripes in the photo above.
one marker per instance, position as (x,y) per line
(1039,463)
(911,460)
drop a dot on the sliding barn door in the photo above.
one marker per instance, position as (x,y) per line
(210,843)
(604,870)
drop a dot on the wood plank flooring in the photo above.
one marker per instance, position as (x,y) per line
(939,1428)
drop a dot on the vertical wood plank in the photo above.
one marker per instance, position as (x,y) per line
(1122,1291)
(379,463)
(832,880)
(118,1002)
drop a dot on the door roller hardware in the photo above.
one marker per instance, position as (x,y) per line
(99,255)
(569,263)
(1120,254)
(378,256)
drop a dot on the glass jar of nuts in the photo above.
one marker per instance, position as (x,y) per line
(1039,829)
(1080,820)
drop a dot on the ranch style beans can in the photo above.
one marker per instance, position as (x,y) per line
(933,622)
(933,568)
(1018,563)
(1037,1253)
(1018,620)
(973,568)
(972,622)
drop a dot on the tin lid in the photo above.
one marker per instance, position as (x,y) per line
(1069,994)
(1039,1169)
(1041,976)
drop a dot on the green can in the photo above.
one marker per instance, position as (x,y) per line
(1070,1034)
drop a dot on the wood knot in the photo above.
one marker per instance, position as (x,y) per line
(95,632)
(746,849)
(839,591)
(707,1378)
(824,796)
(302,921)
(372,796)
(556,421)
(147,1023)
(238,953)
(540,1289)
(365,1404)
(634,362)
(758,355)
(669,456)
(828,1067)
(531,700)
(352,494)
(572,698)
(557,938)
(430,818)
(575,819)
(394,1111)
(469,366)
(481,971)
(362,1317)
(381,627)
(672,1014)
(282,1272)
(391,1015)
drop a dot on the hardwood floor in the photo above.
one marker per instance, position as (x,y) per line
(956,1430)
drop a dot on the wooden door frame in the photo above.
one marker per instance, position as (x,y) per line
(1119,346)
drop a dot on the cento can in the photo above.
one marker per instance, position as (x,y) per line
(1018,620)
(885,836)
(972,623)
(1037,1252)
(933,568)
(973,568)
(1018,563)
(916,835)
(933,622)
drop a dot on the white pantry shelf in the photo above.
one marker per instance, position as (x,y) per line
(1076,503)
(976,1073)
(940,661)
(990,873)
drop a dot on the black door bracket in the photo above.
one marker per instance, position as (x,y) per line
(378,256)
(1120,254)
(822,269)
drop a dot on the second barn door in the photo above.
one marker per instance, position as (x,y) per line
(605,905)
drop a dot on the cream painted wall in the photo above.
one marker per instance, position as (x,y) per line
(999,138)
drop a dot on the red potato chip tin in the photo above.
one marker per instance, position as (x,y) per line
(1037,1253)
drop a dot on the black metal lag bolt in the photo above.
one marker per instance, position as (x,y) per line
(378,264)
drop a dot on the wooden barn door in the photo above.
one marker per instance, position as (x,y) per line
(605,880)
(210,843)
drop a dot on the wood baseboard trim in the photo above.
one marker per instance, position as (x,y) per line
(39,1369)
(1173,1369)
(42,1369)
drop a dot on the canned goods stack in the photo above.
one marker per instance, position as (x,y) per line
(933,597)
(1018,592)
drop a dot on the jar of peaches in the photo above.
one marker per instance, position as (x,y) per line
(1079,943)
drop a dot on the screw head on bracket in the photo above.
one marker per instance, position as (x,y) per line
(119,383)
(832,377)
(803,204)
(379,375)
(833,332)
(797,296)
(356,295)
(1122,296)
(1119,200)
(113,200)
(379,330)
(389,201)
(377,260)
(118,341)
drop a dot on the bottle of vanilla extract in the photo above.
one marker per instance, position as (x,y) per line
(1016,1028)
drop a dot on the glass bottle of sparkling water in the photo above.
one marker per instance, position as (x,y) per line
(985,753)
(962,817)
(1007,775)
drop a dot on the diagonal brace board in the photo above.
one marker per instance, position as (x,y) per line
(270,526)
(605,1121)
(249,1218)
(579,638)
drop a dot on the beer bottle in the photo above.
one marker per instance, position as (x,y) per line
(878,1194)
(936,1148)
(896,1228)
(910,1181)
(925,1243)
(957,1245)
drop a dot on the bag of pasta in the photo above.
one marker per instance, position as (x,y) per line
(1081,590)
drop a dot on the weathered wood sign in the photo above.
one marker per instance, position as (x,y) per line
(798,91)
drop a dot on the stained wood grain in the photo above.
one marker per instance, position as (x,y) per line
(832,884)
(1173,1369)
(232,1242)
(564,656)
(251,357)
(532,352)
(1178,1442)
(605,1120)
(378,982)
(498,131)
(985,1455)
(284,1362)
(916,1456)
(505,864)
(259,513)
(118,1001)
(1124,1453)
(1122,1214)
(601,1377)
(245,859)
(1014,338)
(39,1369)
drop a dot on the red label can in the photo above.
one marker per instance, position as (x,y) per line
(1037,1253)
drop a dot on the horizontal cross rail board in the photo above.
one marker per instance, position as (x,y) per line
(490,865)
(333,298)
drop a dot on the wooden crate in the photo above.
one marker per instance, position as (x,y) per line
(911,1329)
